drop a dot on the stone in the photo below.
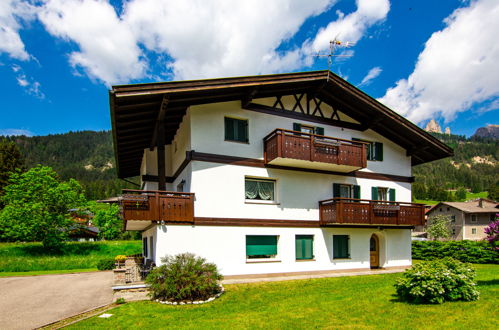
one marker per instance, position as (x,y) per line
(433,127)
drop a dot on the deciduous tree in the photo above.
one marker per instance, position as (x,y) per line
(438,227)
(37,207)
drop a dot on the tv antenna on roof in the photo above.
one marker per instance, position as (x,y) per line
(333,45)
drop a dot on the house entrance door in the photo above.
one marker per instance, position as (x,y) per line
(374,251)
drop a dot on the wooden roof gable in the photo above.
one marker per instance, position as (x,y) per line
(137,110)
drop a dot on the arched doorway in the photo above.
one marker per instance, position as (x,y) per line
(374,251)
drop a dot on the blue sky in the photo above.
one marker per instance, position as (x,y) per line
(425,59)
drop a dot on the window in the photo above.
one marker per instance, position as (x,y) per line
(473,218)
(453,231)
(473,231)
(236,130)
(374,150)
(151,249)
(453,218)
(259,189)
(144,247)
(492,217)
(346,190)
(261,247)
(304,247)
(382,194)
(308,129)
(448,209)
(340,246)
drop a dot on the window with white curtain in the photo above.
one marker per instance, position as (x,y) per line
(259,189)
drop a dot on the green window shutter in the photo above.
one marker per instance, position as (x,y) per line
(304,245)
(356,191)
(261,245)
(378,151)
(391,193)
(242,130)
(340,246)
(336,190)
(319,130)
(229,129)
(296,127)
(374,193)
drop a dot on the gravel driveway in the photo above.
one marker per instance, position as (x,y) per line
(32,301)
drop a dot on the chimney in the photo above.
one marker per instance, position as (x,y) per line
(480,203)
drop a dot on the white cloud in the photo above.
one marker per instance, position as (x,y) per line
(457,68)
(372,74)
(221,37)
(200,38)
(11,11)
(107,48)
(351,27)
(31,86)
(14,131)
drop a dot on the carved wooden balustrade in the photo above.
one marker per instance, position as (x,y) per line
(157,205)
(363,211)
(285,144)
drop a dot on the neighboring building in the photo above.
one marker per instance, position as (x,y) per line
(269,174)
(469,219)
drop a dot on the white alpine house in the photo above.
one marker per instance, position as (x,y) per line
(286,173)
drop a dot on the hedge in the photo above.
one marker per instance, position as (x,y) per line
(477,252)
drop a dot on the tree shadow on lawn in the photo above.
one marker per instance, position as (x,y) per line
(489,282)
(67,249)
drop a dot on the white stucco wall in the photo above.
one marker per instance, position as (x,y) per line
(207,135)
(226,247)
(219,190)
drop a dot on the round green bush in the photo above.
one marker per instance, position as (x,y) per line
(437,281)
(106,264)
(184,277)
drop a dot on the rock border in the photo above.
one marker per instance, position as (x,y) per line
(167,302)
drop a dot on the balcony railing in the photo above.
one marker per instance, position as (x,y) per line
(292,148)
(362,211)
(156,205)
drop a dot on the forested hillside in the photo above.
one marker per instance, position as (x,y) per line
(473,167)
(86,156)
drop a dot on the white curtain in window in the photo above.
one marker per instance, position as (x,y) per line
(259,190)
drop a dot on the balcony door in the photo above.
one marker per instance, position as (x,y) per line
(374,251)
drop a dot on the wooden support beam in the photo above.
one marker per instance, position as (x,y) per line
(159,122)
(416,149)
(160,154)
(247,99)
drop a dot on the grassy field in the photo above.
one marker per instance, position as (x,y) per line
(31,257)
(469,196)
(345,302)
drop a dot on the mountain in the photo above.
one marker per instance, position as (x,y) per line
(488,132)
(474,166)
(86,156)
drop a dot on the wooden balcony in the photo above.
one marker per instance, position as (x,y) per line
(362,212)
(297,149)
(156,205)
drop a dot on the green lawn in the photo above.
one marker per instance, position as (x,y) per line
(31,257)
(345,302)
(469,196)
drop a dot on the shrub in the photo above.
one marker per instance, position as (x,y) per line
(105,264)
(477,252)
(120,301)
(184,277)
(437,281)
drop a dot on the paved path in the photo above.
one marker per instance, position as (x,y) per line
(32,301)
(303,276)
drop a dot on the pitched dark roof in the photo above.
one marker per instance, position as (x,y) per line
(135,109)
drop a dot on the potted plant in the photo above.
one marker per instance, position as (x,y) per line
(120,261)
